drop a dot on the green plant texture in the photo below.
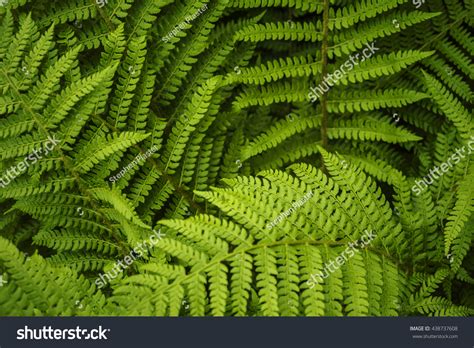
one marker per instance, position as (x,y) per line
(172,158)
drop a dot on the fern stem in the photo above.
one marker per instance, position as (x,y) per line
(437,37)
(217,260)
(324,71)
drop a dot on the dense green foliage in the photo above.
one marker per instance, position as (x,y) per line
(122,118)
